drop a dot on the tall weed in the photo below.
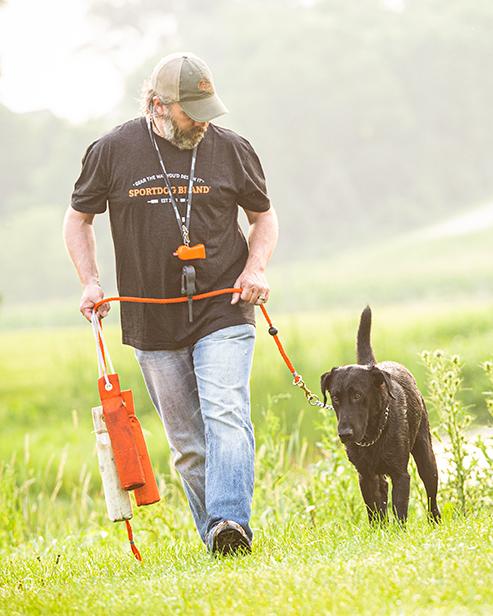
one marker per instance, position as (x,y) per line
(280,464)
(469,474)
(332,487)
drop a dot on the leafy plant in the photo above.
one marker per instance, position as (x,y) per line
(467,476)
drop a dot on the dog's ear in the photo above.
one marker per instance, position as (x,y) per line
(325,382)
(381,377)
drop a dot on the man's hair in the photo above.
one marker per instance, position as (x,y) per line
(146,97)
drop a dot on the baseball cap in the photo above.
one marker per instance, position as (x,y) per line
(186,79)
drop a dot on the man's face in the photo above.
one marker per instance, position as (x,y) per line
(177,127)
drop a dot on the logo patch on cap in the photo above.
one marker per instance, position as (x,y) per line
(205,85)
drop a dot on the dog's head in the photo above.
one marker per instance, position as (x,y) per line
(356,392)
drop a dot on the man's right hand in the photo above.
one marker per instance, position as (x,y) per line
(92,294)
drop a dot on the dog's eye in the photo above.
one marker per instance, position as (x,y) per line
(335,400)
(356,396)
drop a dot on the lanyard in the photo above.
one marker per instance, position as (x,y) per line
(183,225)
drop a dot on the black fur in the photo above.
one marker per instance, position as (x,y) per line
(363,345)
(360,395)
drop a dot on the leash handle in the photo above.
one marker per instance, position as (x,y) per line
(102,352)
(168,300)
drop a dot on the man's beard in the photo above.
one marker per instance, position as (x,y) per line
(182,139)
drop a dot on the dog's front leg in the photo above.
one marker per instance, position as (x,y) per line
(370,489)
(384,495)
(400,494)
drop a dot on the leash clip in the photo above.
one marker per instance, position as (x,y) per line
(312,399)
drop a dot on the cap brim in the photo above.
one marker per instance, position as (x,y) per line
(204,109)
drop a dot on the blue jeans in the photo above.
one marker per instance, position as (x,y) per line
(202,394)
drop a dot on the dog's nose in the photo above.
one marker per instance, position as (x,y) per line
(345,434)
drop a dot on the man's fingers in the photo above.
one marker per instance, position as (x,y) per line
(246,294)
(93,294)
(263,297)
(251,293)
(255,295)
(236,296)
(86,312)
(103,310)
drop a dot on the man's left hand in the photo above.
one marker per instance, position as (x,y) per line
(255,287)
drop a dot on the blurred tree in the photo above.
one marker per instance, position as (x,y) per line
(370,118)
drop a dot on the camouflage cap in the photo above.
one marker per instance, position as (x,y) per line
(186,79)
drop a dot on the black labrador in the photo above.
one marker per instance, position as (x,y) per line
(382,418)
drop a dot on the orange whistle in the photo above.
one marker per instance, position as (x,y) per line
(187,253)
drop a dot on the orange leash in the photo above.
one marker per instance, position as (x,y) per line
(133,547)
(273,333)
(169,300)
(312,398)
(181,300)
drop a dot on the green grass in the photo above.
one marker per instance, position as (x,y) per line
(49,375)
(295,569)
(313,553)
(409,269)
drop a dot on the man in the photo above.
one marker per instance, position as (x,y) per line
(173,181)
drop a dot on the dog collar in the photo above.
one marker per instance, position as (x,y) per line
(379,434)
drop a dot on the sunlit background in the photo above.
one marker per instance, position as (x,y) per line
(372,122)
(372,119)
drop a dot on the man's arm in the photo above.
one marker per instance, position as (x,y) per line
(262,239)
(80,241)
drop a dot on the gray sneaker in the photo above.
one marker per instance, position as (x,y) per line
(228,537)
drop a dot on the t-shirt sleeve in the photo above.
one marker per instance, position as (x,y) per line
(253,194)
(91,189)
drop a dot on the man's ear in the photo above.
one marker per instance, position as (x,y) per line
(381,377)
(158,107)
(325,380)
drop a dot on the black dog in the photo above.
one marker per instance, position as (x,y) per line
(382,418)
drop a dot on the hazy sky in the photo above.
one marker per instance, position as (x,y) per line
(53,55)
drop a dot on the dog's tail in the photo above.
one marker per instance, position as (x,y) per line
(364,350)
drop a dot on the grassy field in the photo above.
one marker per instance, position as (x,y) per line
(48,375)
(427,266)
(313,549)
(314,552)
(336,568)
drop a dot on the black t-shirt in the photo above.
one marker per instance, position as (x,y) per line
(122,170)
